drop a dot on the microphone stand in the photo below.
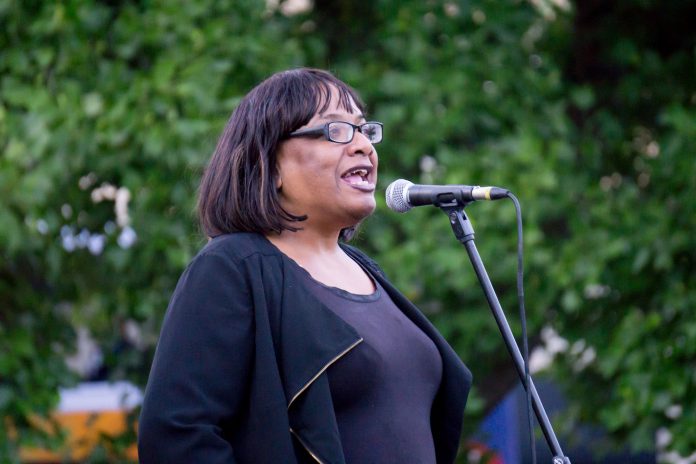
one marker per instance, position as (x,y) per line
(464,232)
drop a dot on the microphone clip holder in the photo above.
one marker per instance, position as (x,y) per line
(464,232)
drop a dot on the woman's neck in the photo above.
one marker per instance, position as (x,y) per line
(306,244)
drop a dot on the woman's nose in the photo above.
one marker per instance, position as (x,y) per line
(360,145)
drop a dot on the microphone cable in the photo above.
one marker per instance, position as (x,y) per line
(523,319)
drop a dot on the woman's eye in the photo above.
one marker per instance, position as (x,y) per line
(337,132)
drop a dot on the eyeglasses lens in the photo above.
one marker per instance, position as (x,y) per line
(340,132)
(373,132)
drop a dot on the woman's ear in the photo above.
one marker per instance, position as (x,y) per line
(278,181)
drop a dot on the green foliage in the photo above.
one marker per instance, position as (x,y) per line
(587,117)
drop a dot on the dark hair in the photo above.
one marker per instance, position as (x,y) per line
(237,191)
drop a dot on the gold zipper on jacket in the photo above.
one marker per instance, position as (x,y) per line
(336,358)
(297,435)
(321,371)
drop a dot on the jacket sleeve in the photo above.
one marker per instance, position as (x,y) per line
(199,377)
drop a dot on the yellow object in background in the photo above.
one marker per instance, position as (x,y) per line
(88,413)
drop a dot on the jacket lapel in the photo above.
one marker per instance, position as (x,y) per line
(311,339)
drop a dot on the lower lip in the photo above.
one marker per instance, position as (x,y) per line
(368,188)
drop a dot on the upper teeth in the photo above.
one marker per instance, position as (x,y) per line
(360,172)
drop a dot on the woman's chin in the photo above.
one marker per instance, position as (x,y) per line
(361,212)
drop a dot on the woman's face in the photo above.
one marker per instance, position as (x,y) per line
(332,183)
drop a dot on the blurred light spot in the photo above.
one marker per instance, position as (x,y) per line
(88,358)
(451,9)
(133,334)
(42,226)
(429,18)
(92,104)
(428,164)
(462,43)
(66,210)
(121,200)
(478,16)
(577,347)
(82,238)
(663,437)
(474,455)
(294,7)
(68,242)
(110,227)
(616,180)
(127,238)
(643,179)
(104,192)
(674,412)
(652,149)
(308,26)
(586,358)
(535,61)
(532,35)
(87,181)
(490,88)
(595,291)
(539,360)
(95,244)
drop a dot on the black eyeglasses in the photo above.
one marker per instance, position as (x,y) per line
(343,132)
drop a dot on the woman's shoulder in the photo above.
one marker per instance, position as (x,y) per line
(237,246)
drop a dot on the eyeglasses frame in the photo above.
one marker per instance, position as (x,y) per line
(324,130)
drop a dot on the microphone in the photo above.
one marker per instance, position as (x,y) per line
(403,195)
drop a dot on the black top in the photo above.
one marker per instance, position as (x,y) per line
(383,389)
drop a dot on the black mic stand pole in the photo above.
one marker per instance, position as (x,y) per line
(465,234)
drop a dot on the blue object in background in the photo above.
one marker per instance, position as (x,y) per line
(505,430)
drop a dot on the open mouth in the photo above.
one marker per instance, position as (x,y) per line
(358,176)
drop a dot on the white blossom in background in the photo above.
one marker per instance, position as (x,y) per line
(42,226)
(105,191)
(133,334)
(552,344)
(547,8)
(67,239)
(95,244)
(109,227)
(88,358)
(127,238)
(429,168)
(289,7)
(85,239)
(120,196)
(121,206)
(674,411)
(427,164)
(595,291)
(66,210)
(82,239)
(663,438)
(87,181)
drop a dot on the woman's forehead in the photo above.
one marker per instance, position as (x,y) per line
(332,99)
(338,105)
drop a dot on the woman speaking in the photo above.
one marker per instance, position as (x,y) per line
(281,343)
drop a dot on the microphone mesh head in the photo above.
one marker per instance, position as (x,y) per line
(397,196)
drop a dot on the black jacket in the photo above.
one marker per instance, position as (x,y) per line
(238,372)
